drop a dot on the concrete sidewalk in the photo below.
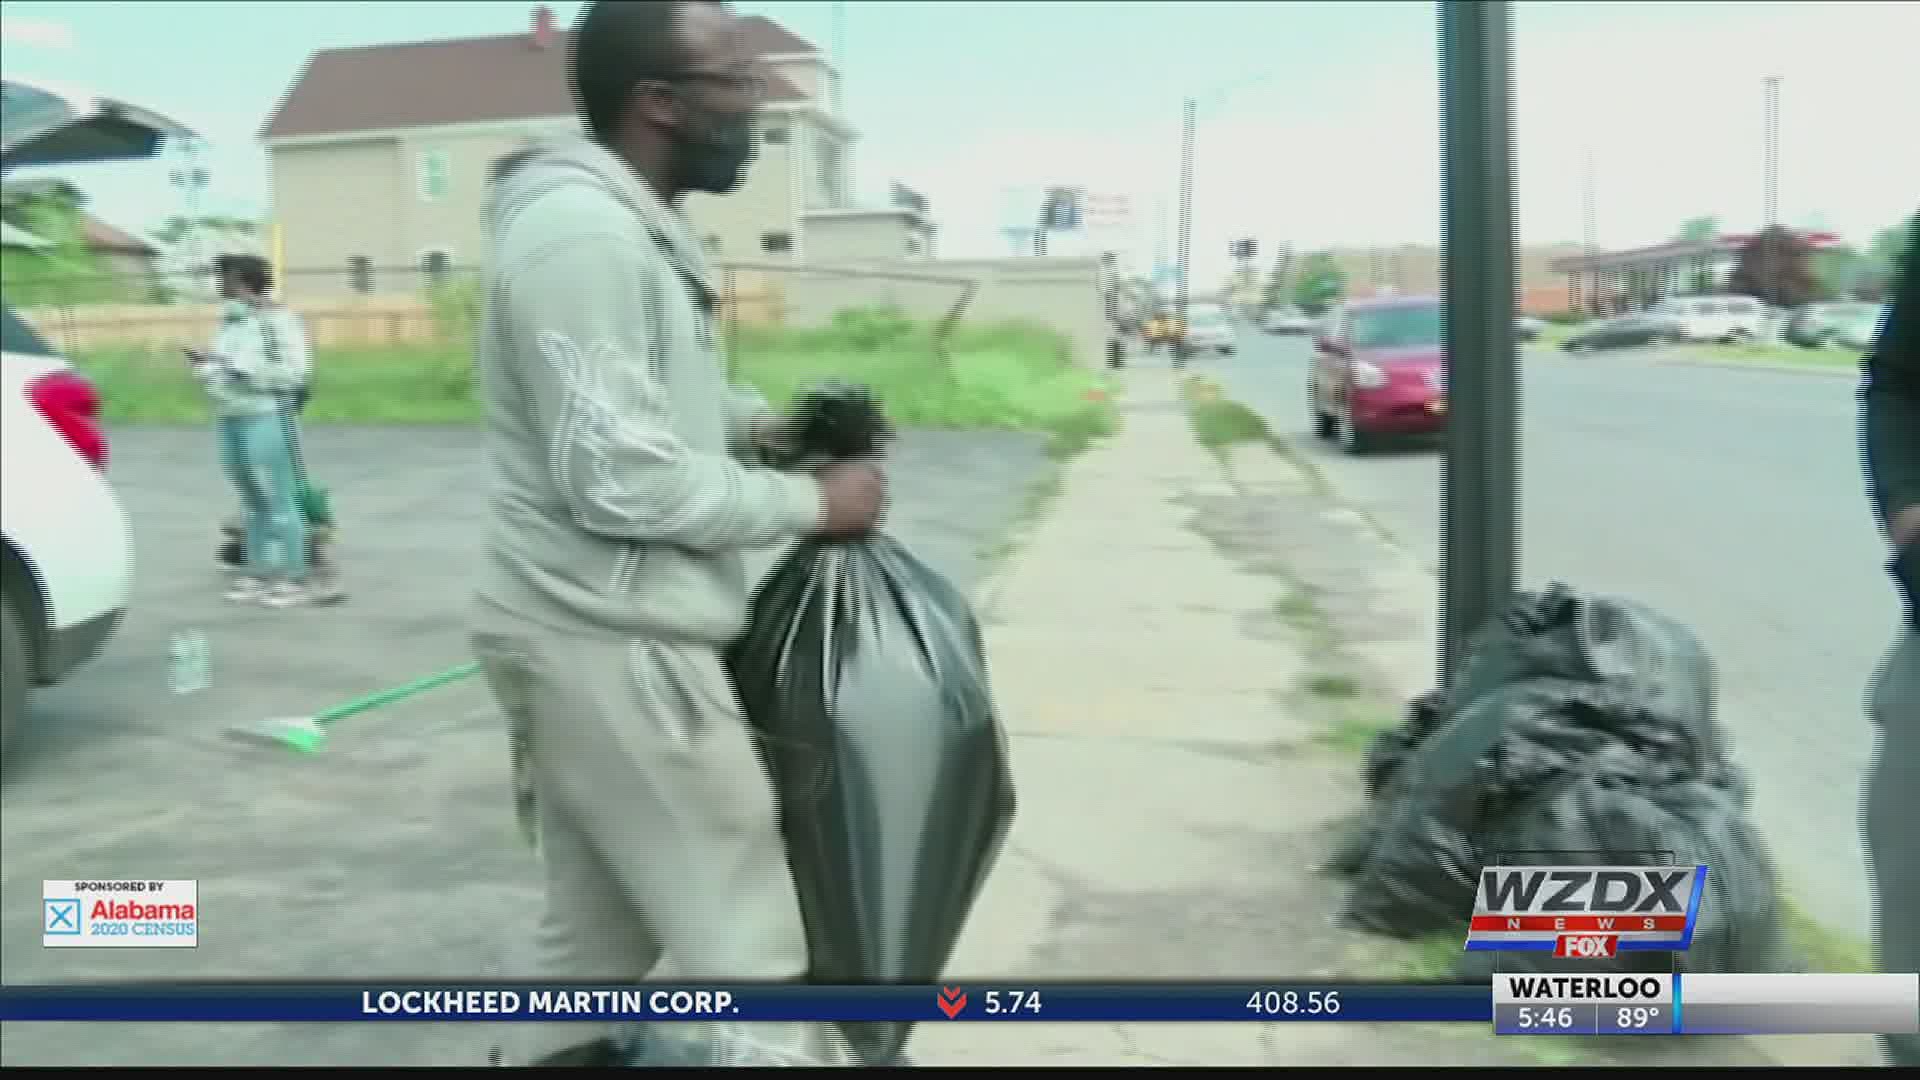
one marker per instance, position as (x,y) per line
(1172,804)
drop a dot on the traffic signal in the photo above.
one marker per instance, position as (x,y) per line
(1241,249)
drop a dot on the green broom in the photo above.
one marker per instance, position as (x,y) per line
(308,734)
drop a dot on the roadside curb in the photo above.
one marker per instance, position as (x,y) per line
(1782,369)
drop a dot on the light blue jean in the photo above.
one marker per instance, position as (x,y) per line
(259,461)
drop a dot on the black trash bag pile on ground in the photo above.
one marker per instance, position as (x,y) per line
(1579,724)
(863,674)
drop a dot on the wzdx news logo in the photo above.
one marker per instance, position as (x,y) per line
(1586,912)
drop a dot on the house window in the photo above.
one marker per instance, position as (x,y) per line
(434,175)
(360,274)
(774,136)
(776,243)
(435,265)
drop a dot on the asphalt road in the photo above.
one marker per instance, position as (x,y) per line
(390,855)
(1734,501)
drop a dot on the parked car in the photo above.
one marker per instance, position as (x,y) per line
(1527,328)
(1288,321)
(66,570)
(1859,328)
(1210,329)
(1815,326)
(1723,319)
(1630,331)
(1378,369)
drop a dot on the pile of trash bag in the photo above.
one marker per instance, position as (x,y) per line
(1578,724)
(863,674)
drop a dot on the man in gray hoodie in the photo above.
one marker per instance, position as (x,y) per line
(620,507)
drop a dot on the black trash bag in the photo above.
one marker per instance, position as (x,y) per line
(833,421)
(1353,841)
(1615,783)
(1391,749)
(1648,658)
(863,674)
(1579,724)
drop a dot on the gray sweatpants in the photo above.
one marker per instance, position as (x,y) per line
(636,776)
(1891,815)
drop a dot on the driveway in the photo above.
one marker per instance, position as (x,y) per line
(392,854)
(1731,499)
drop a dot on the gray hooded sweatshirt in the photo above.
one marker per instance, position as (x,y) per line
(618,506)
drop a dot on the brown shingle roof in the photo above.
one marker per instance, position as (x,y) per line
(768,38)
(101,236)
(462,81)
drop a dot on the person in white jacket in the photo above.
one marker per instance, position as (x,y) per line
(260,356)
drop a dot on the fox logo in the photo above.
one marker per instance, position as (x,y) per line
(1587,946)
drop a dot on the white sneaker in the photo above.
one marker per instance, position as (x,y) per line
(286,594)
(245,589)
(325,589)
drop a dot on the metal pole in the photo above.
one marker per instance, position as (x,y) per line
(1769,272)
(1185,250)
(1591,237)
(1480,507)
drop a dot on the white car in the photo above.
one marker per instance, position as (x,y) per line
(1288,321)
(67,572)
(1210,329)
(1860,327)
(1723,319)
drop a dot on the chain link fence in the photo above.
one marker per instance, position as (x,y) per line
(765,313)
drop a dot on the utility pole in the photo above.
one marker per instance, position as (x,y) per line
(1480,501)
(1590,237)
(1186,229)
(1769,269)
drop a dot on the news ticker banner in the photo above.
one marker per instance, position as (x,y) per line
(1514,1004)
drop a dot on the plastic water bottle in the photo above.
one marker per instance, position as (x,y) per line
(192,667)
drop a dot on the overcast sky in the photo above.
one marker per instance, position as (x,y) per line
(1319,123)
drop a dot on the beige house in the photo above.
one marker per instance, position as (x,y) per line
(378,157)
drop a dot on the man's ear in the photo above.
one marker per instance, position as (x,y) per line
(655,105)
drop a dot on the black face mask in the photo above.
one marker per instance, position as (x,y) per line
(712,149)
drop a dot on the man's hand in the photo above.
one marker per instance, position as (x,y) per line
(1906,527)
(856,496)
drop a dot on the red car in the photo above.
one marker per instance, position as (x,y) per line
(1378,370)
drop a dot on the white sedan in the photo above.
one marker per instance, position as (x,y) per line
(1210,329)
(1288,321)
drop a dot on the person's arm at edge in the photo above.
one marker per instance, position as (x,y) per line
(615,456)
(1890,407)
